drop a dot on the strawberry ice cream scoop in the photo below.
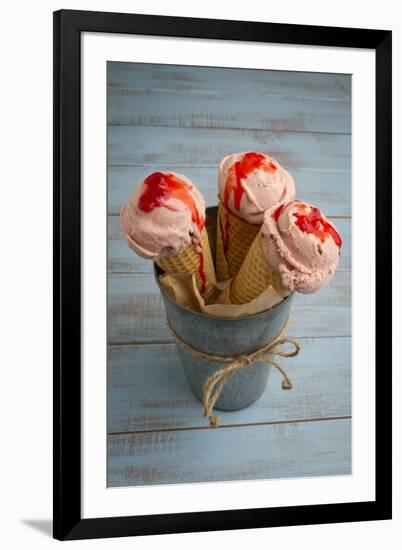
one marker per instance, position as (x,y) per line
(250,183)
(164,214)
(301,245)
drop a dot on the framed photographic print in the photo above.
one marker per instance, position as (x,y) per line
(222,209)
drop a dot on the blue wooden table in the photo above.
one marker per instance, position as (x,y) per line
(186,119)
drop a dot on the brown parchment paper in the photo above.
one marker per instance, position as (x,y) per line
(182,288)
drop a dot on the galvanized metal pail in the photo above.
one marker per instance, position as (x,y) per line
(225,337)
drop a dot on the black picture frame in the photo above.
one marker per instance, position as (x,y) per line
(68,26)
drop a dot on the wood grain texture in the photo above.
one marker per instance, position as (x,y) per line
(330,191)
(136,313)
(121,259)
(148,389)
(225,454)
(200,109)
(185,119)
(129,145)
(247,82)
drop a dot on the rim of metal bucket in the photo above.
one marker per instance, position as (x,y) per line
(158,271)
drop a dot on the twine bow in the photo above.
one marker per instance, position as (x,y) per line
(213,385)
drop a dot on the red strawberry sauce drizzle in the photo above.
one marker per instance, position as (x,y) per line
(278,212)
(238,171)
(313,222)
(201,270)
(159,189)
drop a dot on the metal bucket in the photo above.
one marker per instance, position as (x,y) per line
(225,337)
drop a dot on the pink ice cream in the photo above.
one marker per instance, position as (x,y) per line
(301,245)
(164,214)
(250,183)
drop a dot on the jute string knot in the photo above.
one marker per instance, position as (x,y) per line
(214,384)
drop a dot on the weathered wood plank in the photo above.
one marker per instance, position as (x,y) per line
(128,145)
(211,111)
(136,313)
(331,191)
(148,389)
(246,81)
(144,107)
(254,452)
(121,259)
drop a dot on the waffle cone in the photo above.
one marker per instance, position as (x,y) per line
(189,261)
(234,239)
(254,276)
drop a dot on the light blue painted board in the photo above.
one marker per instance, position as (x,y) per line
(244,81)
(144,107)
(330,191)
(128,145)
(121,259)
(148,390)
(306,449)
(323,163)
(136,313)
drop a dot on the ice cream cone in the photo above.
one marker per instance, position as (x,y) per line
(197,259)
(254,276)
(164,220)
(234,239)
(300,244)
(249,183)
